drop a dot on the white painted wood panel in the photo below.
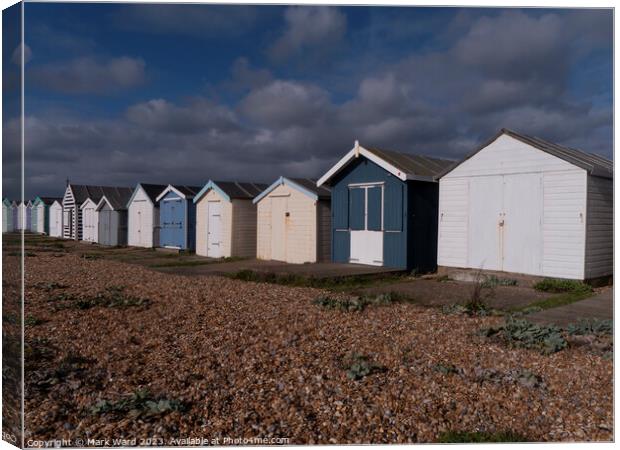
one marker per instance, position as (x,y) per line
(547,197)
(507,155)
(367,247)
(202,225)
(55,218)
(90,221)
(40,226)
(485,237)
(453,222)
(599,228)
(141,218)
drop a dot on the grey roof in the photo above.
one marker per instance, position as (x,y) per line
(412,165)
(50,200)
(594,164)
(118,197)
(153,190)
(236,189)
(82,192)
(188,191)
(309,184)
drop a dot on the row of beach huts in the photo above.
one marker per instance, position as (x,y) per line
(516,204)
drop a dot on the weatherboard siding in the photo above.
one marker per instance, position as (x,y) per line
(202,223)
(90,221)
(599,228)
(453,222)
(72,217)
(505,156)
(300,227)
(243,242)
(564,214)
(55,220)
(149,219)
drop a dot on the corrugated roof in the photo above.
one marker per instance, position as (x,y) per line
(82,192)
(235,189)
(188,191)
(310,185)
(153,190)
(595,165)
(50,200)
(412,165)
(117,196)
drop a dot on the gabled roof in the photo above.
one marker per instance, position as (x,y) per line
(307,186)
(117,199)
(6,201)
(594,164)
(82,192)
(46,200)
(186,192)
(232,189)
(405,166)
(151,190)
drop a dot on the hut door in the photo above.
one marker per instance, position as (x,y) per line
(366,222)
(214,229)
(523,208)
(278,228)
(485,223)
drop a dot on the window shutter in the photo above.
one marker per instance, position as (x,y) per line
(357,208)
(393,209)
(374,208)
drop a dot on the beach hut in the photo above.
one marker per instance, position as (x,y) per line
(7,216)
(28,216)
(523,205)
(143,215)
(226,219)
(293,221)
(15,215)
(40,213)
(112,217)
(177,217)
(384,208)
(77,199)
(90,224)
(55,218)
(21,215)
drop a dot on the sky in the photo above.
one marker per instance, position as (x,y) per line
(118,94)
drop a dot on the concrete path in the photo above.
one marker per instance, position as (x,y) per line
(598,307)
(316,270)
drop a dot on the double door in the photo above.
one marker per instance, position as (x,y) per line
(505,223)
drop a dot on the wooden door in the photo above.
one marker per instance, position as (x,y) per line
(278,228)
(485,222)
(214,229)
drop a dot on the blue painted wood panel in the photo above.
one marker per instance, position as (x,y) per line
(341,246)
(340,208)
(393,209)
(173,232)
(374,208)
(357,209)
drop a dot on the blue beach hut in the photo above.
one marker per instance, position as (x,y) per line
(177,217)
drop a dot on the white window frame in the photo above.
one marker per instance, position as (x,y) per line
(367,186)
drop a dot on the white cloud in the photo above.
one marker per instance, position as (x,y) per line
(307,28)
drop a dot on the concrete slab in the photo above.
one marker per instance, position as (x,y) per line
(598,307)
(316,270)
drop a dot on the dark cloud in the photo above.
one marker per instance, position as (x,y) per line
(202,21)
(506,69)
(89,75)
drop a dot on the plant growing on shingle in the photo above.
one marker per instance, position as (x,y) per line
(358,366)
(558,286)
(524,334)
(591,327)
